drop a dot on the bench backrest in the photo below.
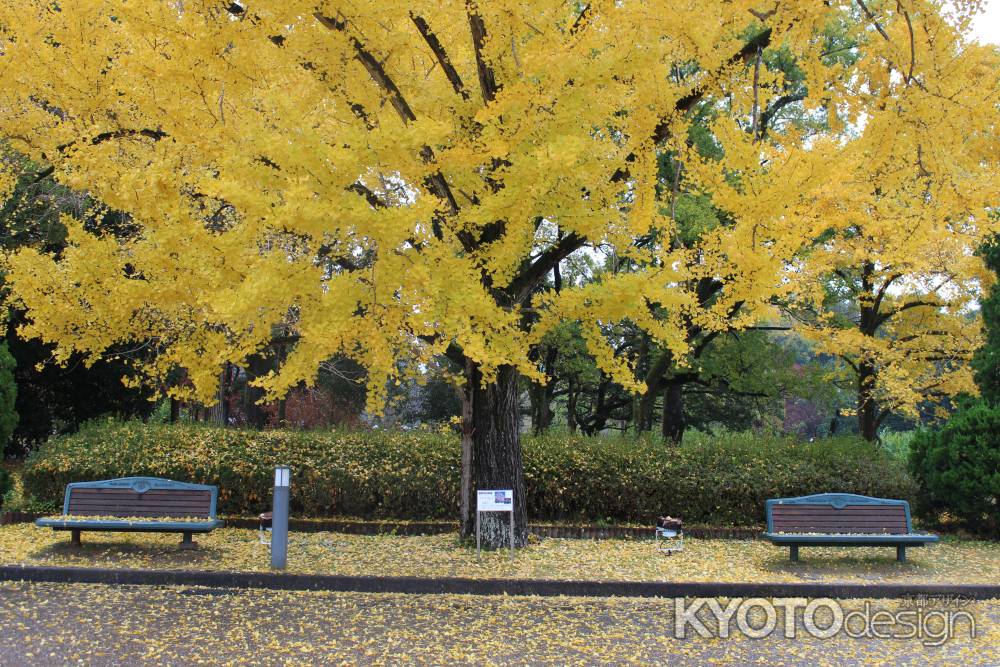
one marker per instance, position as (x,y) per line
(838,513)
(141,497)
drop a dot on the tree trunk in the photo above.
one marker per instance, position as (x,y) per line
(545,408)
(467,512)
(535,397)
(541,395)
(654,381)
(672,426)
(645,409)
(257,366)
(496,455)
(868,324)
(867,408)
(571,409)
(175,410)
(224,396)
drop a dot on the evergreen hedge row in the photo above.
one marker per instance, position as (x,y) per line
(415,475)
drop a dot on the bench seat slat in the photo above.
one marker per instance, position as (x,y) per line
(140,501)
(133,503)
(125,512)
(110,491)
(174,497)
(834,539)
(835,522)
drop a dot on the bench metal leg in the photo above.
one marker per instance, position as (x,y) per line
(187,542)
(793,552)
(75,538)
(900,553)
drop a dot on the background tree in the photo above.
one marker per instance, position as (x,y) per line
(435,163)
(51,399)
(896,275)
(958,465)
(8,396)
(889,279)
(986,360)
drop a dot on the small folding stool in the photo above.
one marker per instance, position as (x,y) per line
(669,536)
(265,527)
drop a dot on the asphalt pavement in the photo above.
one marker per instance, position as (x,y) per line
(60,624)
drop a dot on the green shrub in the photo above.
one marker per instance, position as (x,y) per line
(958,468)
(896,444)
(416,474)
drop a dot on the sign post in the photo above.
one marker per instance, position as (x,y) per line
(279,518)
(496,500)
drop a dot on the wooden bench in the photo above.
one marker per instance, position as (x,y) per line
(842,520)
(137,504)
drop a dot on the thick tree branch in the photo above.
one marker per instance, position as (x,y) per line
(882,318)
(773,109)
(686,103)
(436,182)
(373,199)
(662,130)
(373,67)
(520,288)
(874,20)
(127,133)
(487,80)
(913,45)
(441,55)
(880,295)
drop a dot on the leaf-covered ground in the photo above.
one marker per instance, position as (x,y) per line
(61,624)
(951,561)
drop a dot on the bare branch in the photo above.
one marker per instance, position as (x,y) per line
(871,17)
(913,46)
(580,20)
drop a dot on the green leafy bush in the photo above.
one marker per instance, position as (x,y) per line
(958,468)
(414,474)
(896,444)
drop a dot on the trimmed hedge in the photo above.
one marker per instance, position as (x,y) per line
(375,474)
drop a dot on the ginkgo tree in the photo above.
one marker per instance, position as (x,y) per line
(391,181)
(892,286)
(889,285)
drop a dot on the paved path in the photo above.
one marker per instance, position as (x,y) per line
(59,624)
